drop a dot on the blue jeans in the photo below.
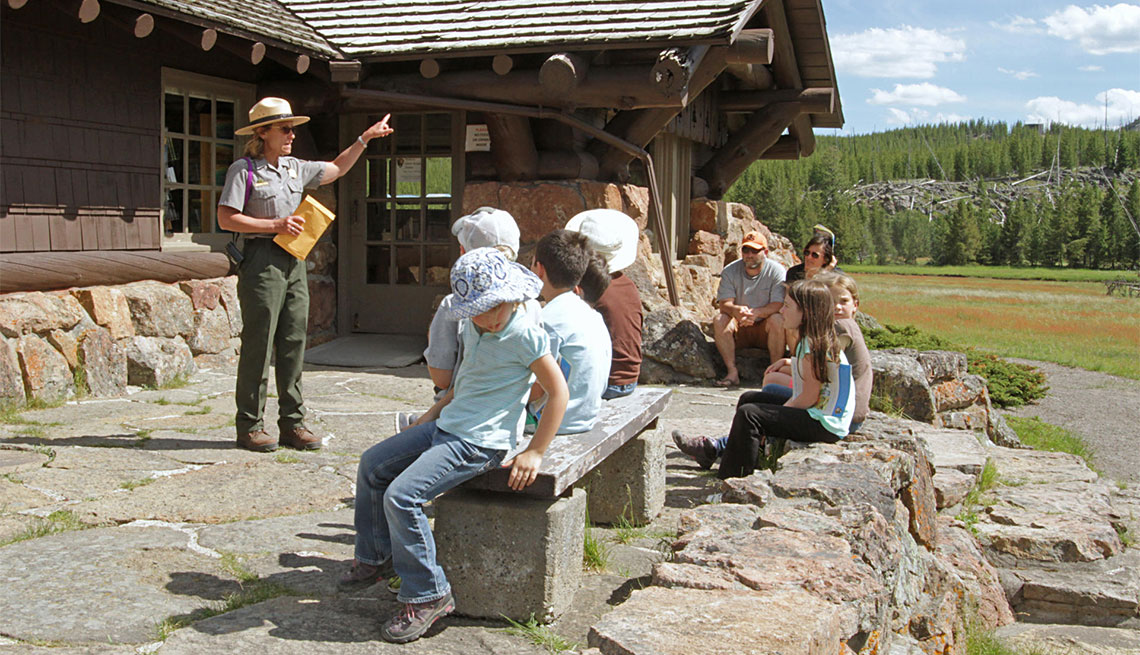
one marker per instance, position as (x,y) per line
(394,480)
(618,390)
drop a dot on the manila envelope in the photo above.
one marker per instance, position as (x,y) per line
(317,218)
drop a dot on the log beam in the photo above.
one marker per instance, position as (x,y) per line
(786,70)
(44,271)
(502,64)
(512,147)
(200,37)
(816,100)
(251,52)
(88,11)
(786,148)
(298,63)
(624,87)
(675,67)
(562,73)
(761,132)
(754,76)
(639,127)
(752,47)
(17,4)
(141,26)
(429,68)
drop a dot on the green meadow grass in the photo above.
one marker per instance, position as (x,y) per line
(996,272)
(1069,323)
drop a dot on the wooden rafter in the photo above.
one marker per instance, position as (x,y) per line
(762,131)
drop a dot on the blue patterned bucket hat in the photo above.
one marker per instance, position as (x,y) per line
(483,278)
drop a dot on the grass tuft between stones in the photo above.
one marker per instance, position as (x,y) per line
(595,551)
(987,480)
(252,592)
(1040,435)
(540,635)
(58,521)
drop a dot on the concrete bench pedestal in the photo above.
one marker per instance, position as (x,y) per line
(630,483)
(509,554)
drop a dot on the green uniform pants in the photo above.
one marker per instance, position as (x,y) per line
(274,293)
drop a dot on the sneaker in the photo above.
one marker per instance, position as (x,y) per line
(701,449)
(300,438)
(258,441)
(405,420)
(361,575)
(415,618)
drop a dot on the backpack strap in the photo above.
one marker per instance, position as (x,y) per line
(248,179)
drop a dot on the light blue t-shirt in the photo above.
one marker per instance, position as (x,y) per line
(492,385)
(580,343)
(836,402)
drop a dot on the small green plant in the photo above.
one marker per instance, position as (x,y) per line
(1038,434)
(253,590)
(1010,384)
(58,521)
(46,451)
(595,552)
(885,404)
(198,411)
(1127,539)
(33,431)
(1121,485)
(135,484)
(10,414)
(177,382)
(79,379)
(539,635)
(162,401)
(286,458)
(232,564)
(904,336)
(987,479)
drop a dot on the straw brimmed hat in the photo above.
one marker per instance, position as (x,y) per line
(611,234)
(269,111)
(484,278)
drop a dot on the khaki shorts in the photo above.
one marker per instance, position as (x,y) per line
(751,336)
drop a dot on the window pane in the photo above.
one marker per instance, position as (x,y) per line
(225,110)
(408,172)
(438,135)
(194,212)
(173,111)
(174,165)
(172,216)
(376,262)
(199,119)
(407,134)
(439,177)
(438,223)
(437,265)
(378,227)
(377,178)
(407,222)
(194,163)
(408,265)
(223,157)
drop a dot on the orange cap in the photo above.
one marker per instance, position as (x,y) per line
(755,240)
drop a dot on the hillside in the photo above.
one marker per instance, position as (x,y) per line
(963,193)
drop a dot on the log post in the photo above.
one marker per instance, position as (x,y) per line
(429,68)
(561,74)
(675,66)
(761,131)
(786,71)
(512,147)
(502,64)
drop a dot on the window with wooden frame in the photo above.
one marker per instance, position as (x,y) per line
(199,115)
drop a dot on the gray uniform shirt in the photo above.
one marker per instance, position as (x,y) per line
(766,287)
(277,190)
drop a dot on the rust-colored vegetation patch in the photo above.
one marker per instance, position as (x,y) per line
(1072,323)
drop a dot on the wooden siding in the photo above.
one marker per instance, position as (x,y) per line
(813,53)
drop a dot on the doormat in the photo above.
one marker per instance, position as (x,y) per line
(369,351)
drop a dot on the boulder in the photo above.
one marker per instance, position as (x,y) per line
(958,548)
(66,344)
(635,203)
(678,344)
(154,361)
(835,484)
(714,263)
(901,383)
(108,307)
(322,304)
(11,379)
(695,290)
(963,391)
(211,331)
(47,376)
(703,216)
(540,207)
(705,243)
(1098,593)
(601,194)
(942,364)
(104,363)
(159,310)
(38,312)
(204,294)
(322,258)
(951,487)
(229,300)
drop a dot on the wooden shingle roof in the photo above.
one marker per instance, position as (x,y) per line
(406,28)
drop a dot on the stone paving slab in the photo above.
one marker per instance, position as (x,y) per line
(1071,639)
(955,449)
(223,493)
(13,461)
(80,473)
(1021,466)
(135,576)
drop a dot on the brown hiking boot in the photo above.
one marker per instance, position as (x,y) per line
(258,441)
(300,438)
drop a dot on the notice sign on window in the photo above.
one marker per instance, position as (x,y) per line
(408,169)
(478,139)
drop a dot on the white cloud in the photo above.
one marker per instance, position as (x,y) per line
(925,94)
(897,52)
(1100,30)
(1021,75)
(1091,69)
(1018,25)
(1123,105)
(917,116)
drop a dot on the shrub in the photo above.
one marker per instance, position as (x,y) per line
(905,336)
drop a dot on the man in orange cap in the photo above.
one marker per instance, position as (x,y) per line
(749,298)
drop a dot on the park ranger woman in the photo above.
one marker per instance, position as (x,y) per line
(261,192)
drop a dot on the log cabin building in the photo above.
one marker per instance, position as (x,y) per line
(117,122)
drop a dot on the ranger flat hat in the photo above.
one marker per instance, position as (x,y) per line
(269,111)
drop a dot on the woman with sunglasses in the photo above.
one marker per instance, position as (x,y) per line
(262,191)
(819,257)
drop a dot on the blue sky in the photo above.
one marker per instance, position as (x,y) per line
(908,62)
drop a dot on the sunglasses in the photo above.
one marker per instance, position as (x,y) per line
(813,254)
(751,251)
(285,129)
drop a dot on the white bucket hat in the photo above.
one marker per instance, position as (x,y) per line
(485,227)
(611,233)
(483,278)
(269,111)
